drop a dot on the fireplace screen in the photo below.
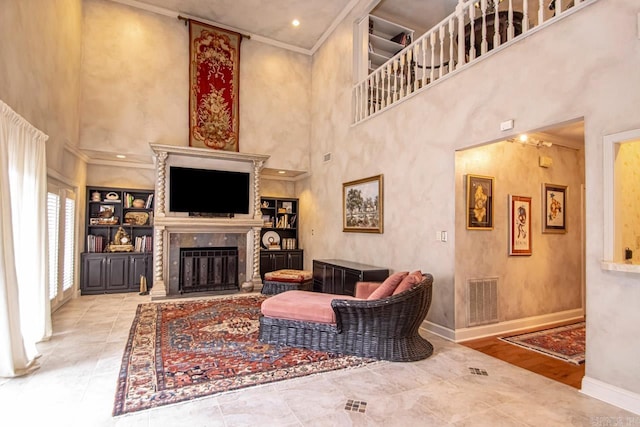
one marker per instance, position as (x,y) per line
(208,269)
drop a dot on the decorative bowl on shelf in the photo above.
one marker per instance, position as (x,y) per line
(138,203)
(136,218)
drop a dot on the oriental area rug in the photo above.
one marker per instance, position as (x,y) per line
(565,342)
(179,351)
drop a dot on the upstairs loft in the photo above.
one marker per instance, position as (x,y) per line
(473,32)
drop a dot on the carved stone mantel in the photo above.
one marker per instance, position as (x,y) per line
(166,222)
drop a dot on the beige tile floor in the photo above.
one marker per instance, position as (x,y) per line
(75,386)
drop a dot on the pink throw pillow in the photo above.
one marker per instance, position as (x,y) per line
(388,286)
(409,282)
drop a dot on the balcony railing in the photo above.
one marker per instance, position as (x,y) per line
(474,29)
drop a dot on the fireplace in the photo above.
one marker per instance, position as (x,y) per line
(208,269)
(174,231)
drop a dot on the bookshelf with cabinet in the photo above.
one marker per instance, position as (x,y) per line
(119,240)
(279,235)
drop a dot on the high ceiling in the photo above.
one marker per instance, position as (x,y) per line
(272,19)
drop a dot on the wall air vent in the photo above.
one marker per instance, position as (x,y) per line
(482,301)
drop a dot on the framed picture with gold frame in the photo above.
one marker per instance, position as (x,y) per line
(362,205)
(479,202)
(554,209)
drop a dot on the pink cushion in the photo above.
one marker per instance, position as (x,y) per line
(295,276)
(364,289)
(409,282)
(388,286)
(301,305)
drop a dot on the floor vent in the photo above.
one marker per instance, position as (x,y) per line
(478,371)
(482,301)
(356,406)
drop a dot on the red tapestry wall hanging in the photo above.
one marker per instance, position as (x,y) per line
(214,73)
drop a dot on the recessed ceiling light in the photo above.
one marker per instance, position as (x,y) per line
(282,172)
(121,156)
(295,22)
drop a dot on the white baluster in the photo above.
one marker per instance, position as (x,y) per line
(433,56)
(424,61)
(410,79)
(472,38)
(402,75)
(540,12)
(558,7)
(395,81)
(525,19)
(370,93)
(441,63)
(377,85)
(484,46)
(510,27)
(461,46)
(450,67)
(496,25)
(415,66)
(389,75)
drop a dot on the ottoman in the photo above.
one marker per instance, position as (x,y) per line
(287,280)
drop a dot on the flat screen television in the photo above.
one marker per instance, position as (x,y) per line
(206,191)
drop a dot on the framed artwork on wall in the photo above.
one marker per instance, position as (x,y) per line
(479,202)
(554,211)
(519,225)
(362,205)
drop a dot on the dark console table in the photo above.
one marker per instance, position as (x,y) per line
(336,276)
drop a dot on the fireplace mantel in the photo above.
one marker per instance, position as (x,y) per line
(166,222)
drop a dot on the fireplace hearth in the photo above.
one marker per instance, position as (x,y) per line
(208,269)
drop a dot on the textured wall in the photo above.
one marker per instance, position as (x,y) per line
(627,196)
(548,281)
(135,72)
(414,146)
(40,72)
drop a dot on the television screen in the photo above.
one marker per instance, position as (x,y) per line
(205,191)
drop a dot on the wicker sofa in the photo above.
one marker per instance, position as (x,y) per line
(385,328)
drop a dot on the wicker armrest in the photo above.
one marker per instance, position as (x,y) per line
(397,314)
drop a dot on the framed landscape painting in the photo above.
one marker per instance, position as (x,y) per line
(554,209)
(362,205)
(519,225)
(479,202)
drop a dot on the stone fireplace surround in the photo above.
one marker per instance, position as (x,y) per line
(242,230)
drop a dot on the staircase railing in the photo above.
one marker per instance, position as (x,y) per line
(475,28)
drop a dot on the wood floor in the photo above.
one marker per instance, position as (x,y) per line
(549,367)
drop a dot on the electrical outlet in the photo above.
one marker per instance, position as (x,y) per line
(443,236)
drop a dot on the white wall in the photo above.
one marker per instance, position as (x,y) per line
(582,66)
(40,74)
(135,72)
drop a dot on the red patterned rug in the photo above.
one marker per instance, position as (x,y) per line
(565,342)
(179,351)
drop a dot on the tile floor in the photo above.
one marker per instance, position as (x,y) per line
(75,386)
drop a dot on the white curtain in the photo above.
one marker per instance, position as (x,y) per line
(25,312)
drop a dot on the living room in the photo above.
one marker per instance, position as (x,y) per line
(101,85)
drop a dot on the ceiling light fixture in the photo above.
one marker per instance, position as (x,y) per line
(295,22)
(282,172)
(121,156)
(524,139)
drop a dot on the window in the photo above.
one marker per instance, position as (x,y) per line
(61,215)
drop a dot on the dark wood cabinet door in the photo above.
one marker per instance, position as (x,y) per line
(265,263)
(117,273)
(93,273)
(138,267)
(279,260)
(295,260)
(350,278)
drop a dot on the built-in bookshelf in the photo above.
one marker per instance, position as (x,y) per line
(279,235)
(385,39)
(117,255)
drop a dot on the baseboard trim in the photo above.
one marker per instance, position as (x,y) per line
(625,399)
(467,334)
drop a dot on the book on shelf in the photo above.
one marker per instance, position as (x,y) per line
(143,244)
(400,38)
(147,205)
(95,243)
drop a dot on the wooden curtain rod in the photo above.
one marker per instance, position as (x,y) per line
(186,21)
